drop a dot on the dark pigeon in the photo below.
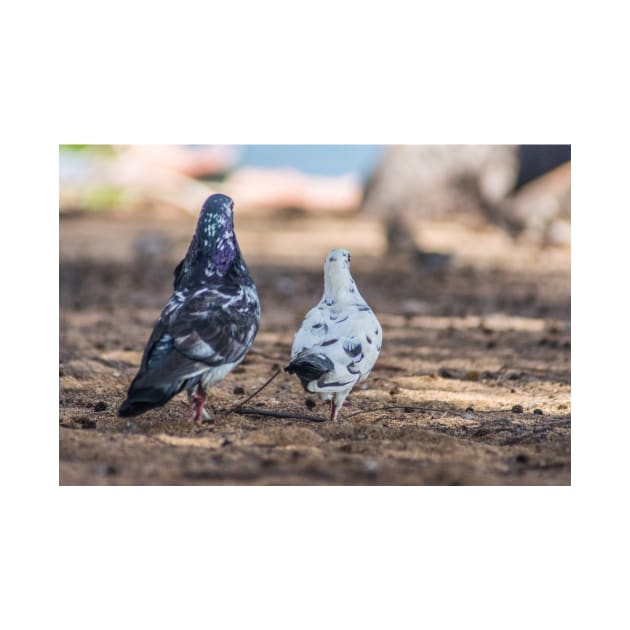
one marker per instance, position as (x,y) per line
(209,323)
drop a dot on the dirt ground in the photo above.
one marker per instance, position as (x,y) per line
(472,385)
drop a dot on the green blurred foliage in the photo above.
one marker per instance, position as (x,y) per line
(103,198)
(94,149)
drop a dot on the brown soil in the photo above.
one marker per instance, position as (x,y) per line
(472,385)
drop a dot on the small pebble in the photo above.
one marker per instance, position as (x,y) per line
(238,391)
(310,403)
(87,423)
(538,412)
(100,406)
(522,458)
(470,408)
(517,409)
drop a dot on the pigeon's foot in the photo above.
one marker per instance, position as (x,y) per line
(197,402)
(334,410)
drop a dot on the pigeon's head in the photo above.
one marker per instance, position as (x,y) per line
(217,215)
(337,278)
(337,259)
(214,245)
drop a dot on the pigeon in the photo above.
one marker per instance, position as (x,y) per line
(208,324)
(339,340)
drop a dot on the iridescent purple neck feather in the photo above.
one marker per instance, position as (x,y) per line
(213,251)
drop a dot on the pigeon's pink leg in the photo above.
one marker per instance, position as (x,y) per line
(198,401)
(333,410)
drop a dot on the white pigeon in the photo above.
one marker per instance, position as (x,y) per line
(339,340)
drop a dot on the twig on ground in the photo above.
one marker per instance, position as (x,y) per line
(239,405)
(238,408)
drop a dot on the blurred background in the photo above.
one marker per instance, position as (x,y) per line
(524,190)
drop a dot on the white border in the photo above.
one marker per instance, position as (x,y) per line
(320,557)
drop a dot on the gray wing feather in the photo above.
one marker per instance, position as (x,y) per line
(197,332)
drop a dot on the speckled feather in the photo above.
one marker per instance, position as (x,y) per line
(210,321)
(339,340)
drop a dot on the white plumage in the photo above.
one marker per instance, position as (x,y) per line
(340,338)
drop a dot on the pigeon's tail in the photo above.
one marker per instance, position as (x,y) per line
(309,367)
(142,399)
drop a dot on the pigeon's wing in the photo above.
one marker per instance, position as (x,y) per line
(312,331)
(209,328)
(163,372)
(369,335)
(216,326)
(352,344)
